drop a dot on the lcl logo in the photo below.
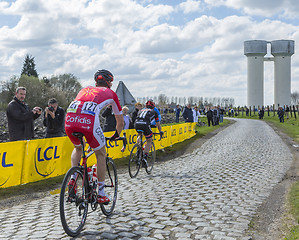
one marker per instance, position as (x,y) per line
(111,144)
(5,165)
(45,155)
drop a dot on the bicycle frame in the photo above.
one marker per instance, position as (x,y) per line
(77,192)
(140,135)
(89,152)
(136,159)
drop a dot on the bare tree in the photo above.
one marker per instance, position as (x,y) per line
(295,98)
(162,100)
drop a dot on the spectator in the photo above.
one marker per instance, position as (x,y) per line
(187,113)
(20,118)
(280,114)
(110,121)
(247,111)
(196,114)
(221,114)
(232,112)
(210,116)
(138,106)
(153,122)
(127,118)
(215,116)
(177,113)
(54,119)
(261,113)
(287,111)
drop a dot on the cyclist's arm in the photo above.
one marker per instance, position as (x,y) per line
(119,123)
(157,121)
(159,126)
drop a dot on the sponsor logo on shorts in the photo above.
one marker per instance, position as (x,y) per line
(99,132)
(78,119)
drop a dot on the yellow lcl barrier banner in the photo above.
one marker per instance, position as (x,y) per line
(33,160)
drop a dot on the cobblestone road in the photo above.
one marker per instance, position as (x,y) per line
(211,193)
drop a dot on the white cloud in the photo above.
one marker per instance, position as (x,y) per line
(190,6)
(152,47)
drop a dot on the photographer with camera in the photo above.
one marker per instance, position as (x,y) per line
(54,119)
(20,118)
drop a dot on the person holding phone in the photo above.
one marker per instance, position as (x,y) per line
(20,117)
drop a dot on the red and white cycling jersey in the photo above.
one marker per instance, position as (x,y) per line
(83,114)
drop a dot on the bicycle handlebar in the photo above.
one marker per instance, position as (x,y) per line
(159,133)
(124,139)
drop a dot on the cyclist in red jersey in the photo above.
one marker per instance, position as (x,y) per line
(83,116)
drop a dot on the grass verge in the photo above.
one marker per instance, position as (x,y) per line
(293,201)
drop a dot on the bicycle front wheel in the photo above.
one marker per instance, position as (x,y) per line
(111,186)
(73,202)
(134,160)
(151,158)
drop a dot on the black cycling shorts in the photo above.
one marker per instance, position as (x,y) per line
(145,129)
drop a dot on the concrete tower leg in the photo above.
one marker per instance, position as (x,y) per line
(255,50)
(255,80)
(282,50)
(282,80)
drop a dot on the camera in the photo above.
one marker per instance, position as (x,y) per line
(51,109)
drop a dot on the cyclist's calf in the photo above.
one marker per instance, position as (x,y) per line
(148,144)
(101,163)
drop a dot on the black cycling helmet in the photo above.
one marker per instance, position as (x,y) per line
(103,75)
(150,104)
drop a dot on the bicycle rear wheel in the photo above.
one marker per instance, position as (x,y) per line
(111,187)
(151,158)
(134,160)
(73,203)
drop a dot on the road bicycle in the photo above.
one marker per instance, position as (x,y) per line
(75,198)
(137,154)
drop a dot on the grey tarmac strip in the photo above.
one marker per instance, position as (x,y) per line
(211,193)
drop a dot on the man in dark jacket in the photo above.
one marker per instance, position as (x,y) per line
(210,116)
(110,121)
(187,113)
(54,119)
(20,118)
(177,113)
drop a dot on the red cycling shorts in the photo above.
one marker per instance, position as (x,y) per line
(89,126)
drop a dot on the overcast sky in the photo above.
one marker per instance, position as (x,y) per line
(176,48)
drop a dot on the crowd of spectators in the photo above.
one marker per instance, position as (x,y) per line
(21,118)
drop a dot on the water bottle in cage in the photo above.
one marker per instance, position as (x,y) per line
(94,176)
(90,175)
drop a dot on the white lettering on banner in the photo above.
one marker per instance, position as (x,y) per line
(78,119)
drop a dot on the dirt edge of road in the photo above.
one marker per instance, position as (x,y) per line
(271,221)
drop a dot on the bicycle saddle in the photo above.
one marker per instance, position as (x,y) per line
(78,134)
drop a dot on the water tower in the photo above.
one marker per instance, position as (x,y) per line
(282,50)
(255,50)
